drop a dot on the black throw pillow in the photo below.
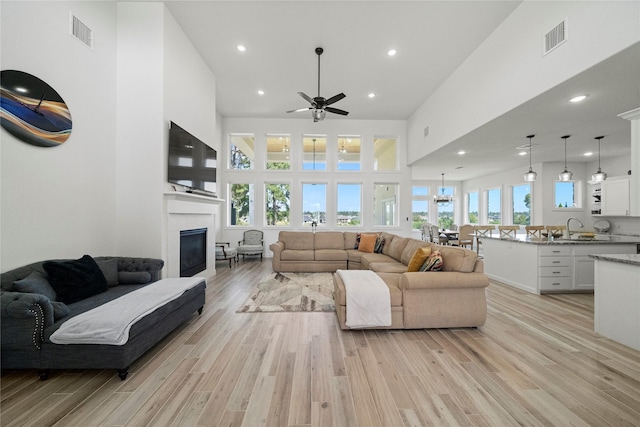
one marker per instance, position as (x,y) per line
(75,280)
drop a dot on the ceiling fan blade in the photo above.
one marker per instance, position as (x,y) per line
(300,109)
(333,99)
(306,97)
(336,111)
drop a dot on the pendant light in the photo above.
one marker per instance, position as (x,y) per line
(442,198)
(599,176)
(531,175)
(566,175)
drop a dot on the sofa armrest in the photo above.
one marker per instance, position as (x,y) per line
(152,265)
(276,248)
(24,318)
(442,280)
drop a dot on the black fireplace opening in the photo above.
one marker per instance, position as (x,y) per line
(193,251)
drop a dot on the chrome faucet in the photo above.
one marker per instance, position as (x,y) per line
(567,231)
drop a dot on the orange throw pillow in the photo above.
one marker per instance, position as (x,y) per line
(367,242)
(418,258)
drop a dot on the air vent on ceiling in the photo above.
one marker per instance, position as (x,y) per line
(80,31)
(555,37)
(426,131)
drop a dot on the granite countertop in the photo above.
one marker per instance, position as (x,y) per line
(633,259)
(575,240)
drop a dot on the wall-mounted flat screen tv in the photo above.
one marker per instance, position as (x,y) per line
(191,162)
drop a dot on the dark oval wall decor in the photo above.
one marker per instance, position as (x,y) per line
(32,111)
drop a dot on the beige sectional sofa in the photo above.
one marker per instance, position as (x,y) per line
(453,297)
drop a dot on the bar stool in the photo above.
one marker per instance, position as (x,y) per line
(534,230)
(482,231)
(508,231)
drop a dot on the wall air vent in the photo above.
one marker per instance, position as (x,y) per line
(426,131)
(80,31)
(555,37)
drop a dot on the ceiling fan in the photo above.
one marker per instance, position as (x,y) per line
(319,105)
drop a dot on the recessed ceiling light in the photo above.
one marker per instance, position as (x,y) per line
(372,95)
(461,152)
(588,153)
(260,92)
(522,153)
(578,98)
(391,52)
(242,48)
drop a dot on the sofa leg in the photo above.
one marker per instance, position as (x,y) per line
(122,373)
(44,375)
(200,310)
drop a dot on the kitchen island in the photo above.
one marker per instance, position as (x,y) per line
(541,265)
(617,298)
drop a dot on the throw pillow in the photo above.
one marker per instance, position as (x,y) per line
(418,258)
(134,277)
(75,280)
(60,310)
(433,263)
(379,246)
(367,243)
(35,283)
(109,268)
(357,241)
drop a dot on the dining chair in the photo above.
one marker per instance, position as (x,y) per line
(508,231)
(555,230)
(436,237)
(425,231)
(534,230)
(464,235)
(482,231)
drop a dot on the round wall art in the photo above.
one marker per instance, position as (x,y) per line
(32,110)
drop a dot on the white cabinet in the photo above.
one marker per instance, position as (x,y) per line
(615,196)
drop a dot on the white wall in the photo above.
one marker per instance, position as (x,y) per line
(367,129)
(508,69)
(59,202)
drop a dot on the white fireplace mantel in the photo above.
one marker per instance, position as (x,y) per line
(187,211)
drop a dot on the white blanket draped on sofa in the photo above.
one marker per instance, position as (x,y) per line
(110,323)
(368,299)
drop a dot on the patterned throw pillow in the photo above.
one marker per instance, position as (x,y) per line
(418,258)
(379,244)
(357,241)
(433,263)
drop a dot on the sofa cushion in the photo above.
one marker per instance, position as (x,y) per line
(388,238)
(368,258)
(75,280)
(297,255)
(411,247)
(35,283)
(418,258)
(60,310)
(388,267)
(396,247)
(331,255)
(296,239)
(367,243)
(350,239)
(328,240)
(458,259)
(433,263)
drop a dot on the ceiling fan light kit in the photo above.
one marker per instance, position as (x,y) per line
(565,175)
(599,176)
(531,175)
(319,105)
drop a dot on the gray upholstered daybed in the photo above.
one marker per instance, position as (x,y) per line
(29,319)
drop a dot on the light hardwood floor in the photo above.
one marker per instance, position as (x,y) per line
(537,361)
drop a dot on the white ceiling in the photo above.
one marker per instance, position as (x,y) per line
(432,39)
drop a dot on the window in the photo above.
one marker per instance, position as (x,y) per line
(348,153)
(349,205)
(446,210)
(522,204)
(472,207)
(241,151)
(277,204)
(566,195)
(240,204)
(385,154)
(278,147)
(419,205)
(314,204)
(494,210)
(384,204)
(314,152)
